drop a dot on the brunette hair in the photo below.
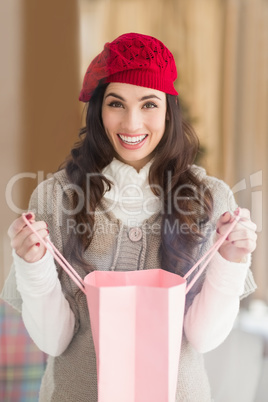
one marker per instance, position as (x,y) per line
(184,198)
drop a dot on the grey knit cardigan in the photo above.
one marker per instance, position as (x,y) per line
(72,377)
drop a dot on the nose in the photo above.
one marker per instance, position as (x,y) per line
(132,121)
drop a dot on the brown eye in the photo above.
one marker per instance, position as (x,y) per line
(115,104)
(149,105)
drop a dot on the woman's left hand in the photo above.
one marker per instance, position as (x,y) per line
(241,240)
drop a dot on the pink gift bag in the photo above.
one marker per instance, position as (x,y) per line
(137,321)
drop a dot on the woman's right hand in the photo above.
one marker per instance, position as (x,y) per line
(25,243)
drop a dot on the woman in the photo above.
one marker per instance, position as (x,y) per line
(128,198)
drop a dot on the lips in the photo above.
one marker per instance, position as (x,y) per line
(132,140)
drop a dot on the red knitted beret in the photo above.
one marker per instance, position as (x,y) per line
(132,59)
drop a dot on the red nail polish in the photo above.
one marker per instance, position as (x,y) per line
(37,244)
(28,216)
(47,230)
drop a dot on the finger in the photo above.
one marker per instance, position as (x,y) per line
(228,217)
(32,254)
(27,238)
(239,232)
(30,248)
(18,224)
(243,229)
(244,213)
(242,234)
(244,222)
(247,245)
(223,219)
(223,227)
(32,239)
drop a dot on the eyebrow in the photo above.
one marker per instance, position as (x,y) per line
(140,100)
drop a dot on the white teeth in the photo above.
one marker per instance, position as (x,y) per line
(132,140)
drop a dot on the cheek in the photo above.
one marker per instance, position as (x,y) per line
(158,124)
(109,122)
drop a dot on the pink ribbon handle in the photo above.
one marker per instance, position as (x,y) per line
(58,257)
(209,254)
(79,281)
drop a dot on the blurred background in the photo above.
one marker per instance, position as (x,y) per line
(221,51)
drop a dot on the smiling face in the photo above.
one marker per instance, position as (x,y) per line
(134,119)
